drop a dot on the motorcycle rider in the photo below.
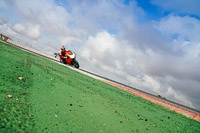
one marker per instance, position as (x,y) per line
(62,53)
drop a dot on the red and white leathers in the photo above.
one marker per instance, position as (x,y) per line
(62,53)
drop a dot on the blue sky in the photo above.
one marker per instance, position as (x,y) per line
(152,45)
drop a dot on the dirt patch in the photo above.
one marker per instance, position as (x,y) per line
(185,112)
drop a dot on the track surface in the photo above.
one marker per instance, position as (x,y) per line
(184,110)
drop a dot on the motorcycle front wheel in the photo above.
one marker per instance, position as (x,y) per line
(75,63)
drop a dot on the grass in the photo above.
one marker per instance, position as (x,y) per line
(54,98)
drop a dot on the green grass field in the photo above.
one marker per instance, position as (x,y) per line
(53,98)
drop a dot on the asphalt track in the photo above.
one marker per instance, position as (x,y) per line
(187,111)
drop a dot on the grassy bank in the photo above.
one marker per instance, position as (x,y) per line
(53,98)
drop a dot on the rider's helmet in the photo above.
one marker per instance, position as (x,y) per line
(62,47)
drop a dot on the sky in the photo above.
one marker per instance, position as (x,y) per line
(152,45)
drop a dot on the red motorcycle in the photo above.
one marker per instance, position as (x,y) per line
(70,58)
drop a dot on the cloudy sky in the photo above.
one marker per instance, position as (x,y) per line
(152,45)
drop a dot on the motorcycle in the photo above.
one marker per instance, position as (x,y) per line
(70,59)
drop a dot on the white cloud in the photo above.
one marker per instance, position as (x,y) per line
(111,15)
(146,83)
(51,17)
(43,18)
(118,57)
(100,47)
(19,28)
(6,30)
(185,44)
(178,97)
(185,27)
(33,31)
